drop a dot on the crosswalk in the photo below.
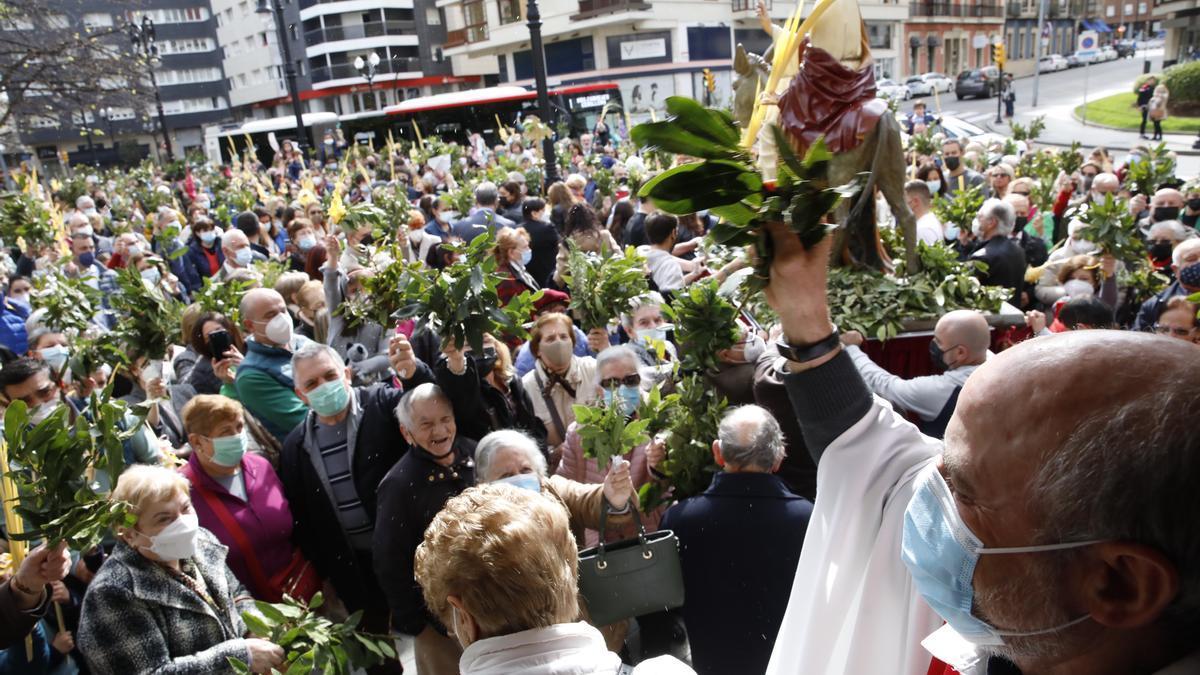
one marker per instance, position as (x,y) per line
(975,117)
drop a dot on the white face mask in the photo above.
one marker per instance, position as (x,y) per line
(754,349)
(42,411)
(177,540)
(658,333)
(1082,246)
(279,328)
(55,357)
(1078,288)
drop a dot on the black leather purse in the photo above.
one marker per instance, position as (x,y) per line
(630,577)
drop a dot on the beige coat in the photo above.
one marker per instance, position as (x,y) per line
(581,375)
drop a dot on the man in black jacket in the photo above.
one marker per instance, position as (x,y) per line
(330,467)
(439,466)
(1004,259)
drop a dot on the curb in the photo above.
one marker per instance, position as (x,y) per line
(1185,152)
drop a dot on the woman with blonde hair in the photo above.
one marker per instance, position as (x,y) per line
(512,253)
(560,200)
(165,601)
(1158,110)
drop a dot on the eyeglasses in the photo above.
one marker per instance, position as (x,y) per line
(1023,194)
(1172,330)
(614,382)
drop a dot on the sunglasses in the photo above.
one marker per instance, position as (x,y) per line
(614,382)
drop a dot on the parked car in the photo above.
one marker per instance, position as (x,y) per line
(939,82)
(1052,63)
(1107,53)
(890,89)
(1086,56)
(1073,61)
(1126,48)
(917,86)
(981,82)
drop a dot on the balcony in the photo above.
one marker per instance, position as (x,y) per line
(749,5)
(462,36)
(954,10)
(593,8)
(346,71)
(358,32)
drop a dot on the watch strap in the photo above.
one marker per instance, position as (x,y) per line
(809,352)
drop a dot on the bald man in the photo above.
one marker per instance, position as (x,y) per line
(1053,529)
(1166,205)
(264,378)
(959,346)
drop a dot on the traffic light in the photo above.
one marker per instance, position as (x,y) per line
(710,82)
(998,55)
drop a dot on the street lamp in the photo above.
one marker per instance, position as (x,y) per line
(273,8)
(369,65)
(142,37)
(87,128)
(539,76)
(106,114)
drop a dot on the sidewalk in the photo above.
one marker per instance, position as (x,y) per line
(1062,129)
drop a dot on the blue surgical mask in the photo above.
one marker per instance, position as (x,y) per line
(629,396)
(87,259)
(935,186)
(55,357)
(526,481)
(330,398)
(306,243)
(526,256)
(208,236)
(152,275)
(134,249)
(941,553)
(244,256)
(228,450)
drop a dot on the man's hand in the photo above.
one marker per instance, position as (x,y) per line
(264,655)
(400,355)
(1137,204)
(797,286)
(155,389)
(333,251)
(42,566)
(63,642)
(1035,320)
(59,592)
(656,452)
(618,485)
(456,360)
(1108,265)
(597,339)
(852,338)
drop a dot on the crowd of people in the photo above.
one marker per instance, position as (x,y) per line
(445,493)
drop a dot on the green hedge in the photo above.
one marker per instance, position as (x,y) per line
(1183,80)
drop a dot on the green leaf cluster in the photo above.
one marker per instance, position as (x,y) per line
(460,302)
(151,319)
(25,218)
(1151,171)
(605,432)
(268,270)
(877,305)
(705,323)
(312,643)
(70,303)
(1141,282)
(1111,226)
(1021,132)
(926,143)
(365,214)
(49,463)
(222,297)
(696,411)
(960,208)
(394,204)
(603,286)
(383,293)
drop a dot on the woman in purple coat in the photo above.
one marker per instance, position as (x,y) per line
(237,496)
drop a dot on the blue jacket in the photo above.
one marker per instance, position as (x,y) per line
(178,263)
(739,544)
(12,326)
(483,220)
(1153,308)
(199,262)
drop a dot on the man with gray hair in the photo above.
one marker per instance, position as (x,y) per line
(739,546)
(1004,259)
(484,218)
(438,466)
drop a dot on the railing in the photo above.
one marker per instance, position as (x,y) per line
(749,5)
(591,8)
(347,70)
(462,36)
(966,10)
(359,31)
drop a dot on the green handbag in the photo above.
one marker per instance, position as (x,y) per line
(630,577)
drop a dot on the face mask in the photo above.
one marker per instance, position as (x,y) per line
(133,250)
(244,256)
(937,356)
(177,540)
(487,362)
(21,299)
(628,396)
(1020,224)
(525,481)
(1160,252)
(977,228)
(1190,276)
(368,240)
(152,275)
(951,232)
(941,552)
(228,450)
(557,354)
(953,163)
(652,335)
(279,329)
(935,186)
(89,212)
(329,399)
(1078,288)
(1162,213)
(306,243)
(1087,183)
(85,231)
(1194,204)
(208,237)
(526,256)
(1081,246)
(43,411)
(55,357)
(87,259)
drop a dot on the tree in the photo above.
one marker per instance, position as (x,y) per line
(51,63)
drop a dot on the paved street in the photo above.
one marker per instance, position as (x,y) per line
(1060,93)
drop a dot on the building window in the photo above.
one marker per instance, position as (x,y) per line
(433,16)
(510,11)
(475,20)
(879,35)
(97,20)
(263,38)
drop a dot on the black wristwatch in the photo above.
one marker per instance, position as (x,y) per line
(809,352)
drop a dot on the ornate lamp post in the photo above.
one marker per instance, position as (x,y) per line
(142,37)
(273,8)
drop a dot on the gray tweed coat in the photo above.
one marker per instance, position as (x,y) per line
(138,619)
